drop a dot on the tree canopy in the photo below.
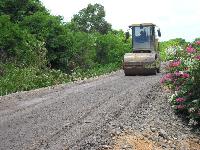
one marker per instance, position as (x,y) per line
(92,19)
(18,9)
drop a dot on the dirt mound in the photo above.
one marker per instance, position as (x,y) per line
(142,142)
(133,142)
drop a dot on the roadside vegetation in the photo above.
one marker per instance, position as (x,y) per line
(183,78)
(38,49)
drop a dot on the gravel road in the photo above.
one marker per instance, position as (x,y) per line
(89,114)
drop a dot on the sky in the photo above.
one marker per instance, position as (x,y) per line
(175,18)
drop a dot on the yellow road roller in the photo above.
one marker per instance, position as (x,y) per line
(144,58)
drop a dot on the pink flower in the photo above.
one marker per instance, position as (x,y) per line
(181,74)
(199,112)
(177,88)
(197,57)
(185,75)
(175,63)
(167,77)
(180,99)
(162,80)
(197,42)
(190,49)
(178,73)
(180,106)
(191,110)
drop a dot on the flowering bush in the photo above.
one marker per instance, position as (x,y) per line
(183,79)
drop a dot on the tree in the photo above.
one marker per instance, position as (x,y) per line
(56,36)
(197,39)
(92,19)
(40,24)
(18,9)
(19,46)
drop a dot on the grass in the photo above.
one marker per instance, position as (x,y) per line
(14,79)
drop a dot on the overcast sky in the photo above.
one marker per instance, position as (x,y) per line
(176,18)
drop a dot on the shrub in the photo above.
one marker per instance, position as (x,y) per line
(169,48)
(183,78)
(22,79)
(18,46)
(111,47)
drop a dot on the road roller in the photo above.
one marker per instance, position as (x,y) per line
(144,58)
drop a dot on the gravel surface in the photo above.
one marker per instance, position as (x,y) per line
(93,114)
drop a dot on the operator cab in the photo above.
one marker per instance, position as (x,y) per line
(143,37)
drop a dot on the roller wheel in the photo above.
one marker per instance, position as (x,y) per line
(158,70)
(126,73)
(153,72)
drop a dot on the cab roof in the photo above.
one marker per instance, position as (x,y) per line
(142,24)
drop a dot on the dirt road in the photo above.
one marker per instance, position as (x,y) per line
(80,115)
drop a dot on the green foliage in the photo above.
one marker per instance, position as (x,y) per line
(169,48)
(15,79)
(18,9)
(197,39)
(21,79)
(81,74)
(83,53)
(91,19)
(41,24)
(110,48)
(57,38)
(18,46)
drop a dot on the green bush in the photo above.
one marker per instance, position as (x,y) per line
(168,48)
(183,78)
(83,51)
(80,74)
(18,46)
(16,79)
(111,47)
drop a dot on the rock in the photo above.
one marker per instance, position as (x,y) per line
(164,146)
(196,140)
(116,131)
(163,134)
(153,129)
(184,146)
(141,129)
(127,147)
(155,139)
(169,142)
(106,147)
(173,146)
(113,138)
(145,135)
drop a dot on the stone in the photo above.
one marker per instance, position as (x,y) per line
(173,146)
(145,135)
(116,131)
(163,134)
(164,146)
(106,147)
(154,138)
(153,129)
(126,147)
